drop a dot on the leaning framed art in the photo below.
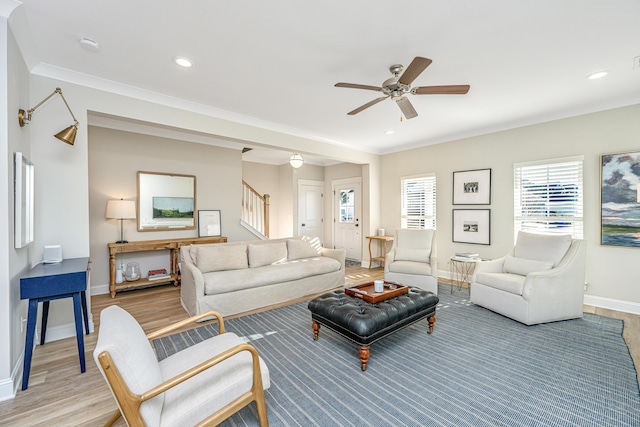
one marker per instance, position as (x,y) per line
(472,187)
(472,226)
(620,199)
(209,223)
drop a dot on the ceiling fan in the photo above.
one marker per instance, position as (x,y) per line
(399,85)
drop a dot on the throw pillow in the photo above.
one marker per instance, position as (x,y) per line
(417,255)
(221,257)
(297,249)
(267,254)
(523,266)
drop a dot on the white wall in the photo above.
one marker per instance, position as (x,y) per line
(611,271)
(265,179)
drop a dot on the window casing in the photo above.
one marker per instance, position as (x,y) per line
(418,209)
(548,196)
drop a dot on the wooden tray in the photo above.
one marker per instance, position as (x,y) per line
(366,292)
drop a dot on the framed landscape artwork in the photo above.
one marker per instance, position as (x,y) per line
(620,199)
(472,187)
(209,223)
(472,226)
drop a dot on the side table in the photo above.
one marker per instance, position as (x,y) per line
(462,270)
(382,248)
(48,282)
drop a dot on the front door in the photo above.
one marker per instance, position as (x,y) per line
(347,230)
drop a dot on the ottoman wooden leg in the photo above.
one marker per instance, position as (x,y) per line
(316,329)
(364,356)
(432,322)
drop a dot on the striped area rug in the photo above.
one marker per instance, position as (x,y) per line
(476,369)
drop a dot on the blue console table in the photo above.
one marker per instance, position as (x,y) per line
(47,282)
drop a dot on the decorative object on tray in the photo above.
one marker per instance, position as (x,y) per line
(620,198)
(367,292)
(472,187)
(472,226)
(209,223)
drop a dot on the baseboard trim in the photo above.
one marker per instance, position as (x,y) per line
(9,386)
(67,330)
(100,289)
(613,304)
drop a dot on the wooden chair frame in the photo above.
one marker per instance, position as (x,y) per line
(129,403)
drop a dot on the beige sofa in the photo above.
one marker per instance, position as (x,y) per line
(236,277)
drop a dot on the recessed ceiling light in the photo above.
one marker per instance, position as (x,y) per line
(183,62)
(389,132)
(597,75)
(90,45)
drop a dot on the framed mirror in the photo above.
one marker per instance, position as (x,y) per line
(23,201)
(166,201)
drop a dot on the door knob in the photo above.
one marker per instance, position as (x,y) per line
(303,225)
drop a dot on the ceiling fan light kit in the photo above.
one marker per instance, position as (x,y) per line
(399,85)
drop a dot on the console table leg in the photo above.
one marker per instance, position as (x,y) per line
(364,356)
(77,312)
(316,329)
(432,322)
(28,348)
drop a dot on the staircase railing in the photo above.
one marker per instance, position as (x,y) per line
(255,209)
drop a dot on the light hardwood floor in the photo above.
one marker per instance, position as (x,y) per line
(59,395)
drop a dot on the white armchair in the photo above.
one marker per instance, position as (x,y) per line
(203,384)
(412,260)
(540,280)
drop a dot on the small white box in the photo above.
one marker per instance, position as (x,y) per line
(52,254)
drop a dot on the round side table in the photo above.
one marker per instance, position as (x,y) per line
(462,269)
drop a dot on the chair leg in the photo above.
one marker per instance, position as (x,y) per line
(261,406)
(115,417)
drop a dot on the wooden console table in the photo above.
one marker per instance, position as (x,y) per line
(382,248)
(172,245)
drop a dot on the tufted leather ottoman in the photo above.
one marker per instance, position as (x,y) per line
(364,323)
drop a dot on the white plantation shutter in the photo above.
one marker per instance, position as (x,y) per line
(548,196)
(418,202)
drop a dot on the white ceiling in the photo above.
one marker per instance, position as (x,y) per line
(275,63)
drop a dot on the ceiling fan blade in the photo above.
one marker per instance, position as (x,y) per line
(406,107)
(417,66)
(441,90)
(367,105)
(357,86)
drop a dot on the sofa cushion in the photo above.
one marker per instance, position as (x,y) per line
(512,283)
(220,257)
(297,249)
(542,247)
(228,281)
(410,267)
(266,254)
(524,266)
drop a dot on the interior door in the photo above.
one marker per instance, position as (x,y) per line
(347,230)
(310,209)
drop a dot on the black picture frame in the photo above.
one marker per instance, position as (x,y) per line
(471,226)
(472,187)
(209,223)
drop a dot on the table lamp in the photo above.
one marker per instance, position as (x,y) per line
(121,210)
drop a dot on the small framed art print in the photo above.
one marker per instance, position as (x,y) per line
(472,187)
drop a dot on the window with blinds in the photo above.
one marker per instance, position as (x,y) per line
(419,202)
(548,196)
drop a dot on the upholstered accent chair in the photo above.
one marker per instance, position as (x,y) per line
(412,260)
(540,280)
(205,383)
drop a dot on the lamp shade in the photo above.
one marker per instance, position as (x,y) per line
(296,160)
(121,209)
(68,135)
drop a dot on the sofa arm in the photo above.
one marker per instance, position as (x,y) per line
(191,288)
(389,258)
(491,266)
(337,254)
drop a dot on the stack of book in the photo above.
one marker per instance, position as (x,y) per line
(160,274)
(467,255)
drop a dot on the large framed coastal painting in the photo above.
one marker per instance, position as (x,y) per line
(620,198)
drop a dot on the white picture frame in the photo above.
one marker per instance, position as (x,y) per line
(23,202)
(472,226)
(472,187)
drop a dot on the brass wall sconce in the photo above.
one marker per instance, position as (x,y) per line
(67,135)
